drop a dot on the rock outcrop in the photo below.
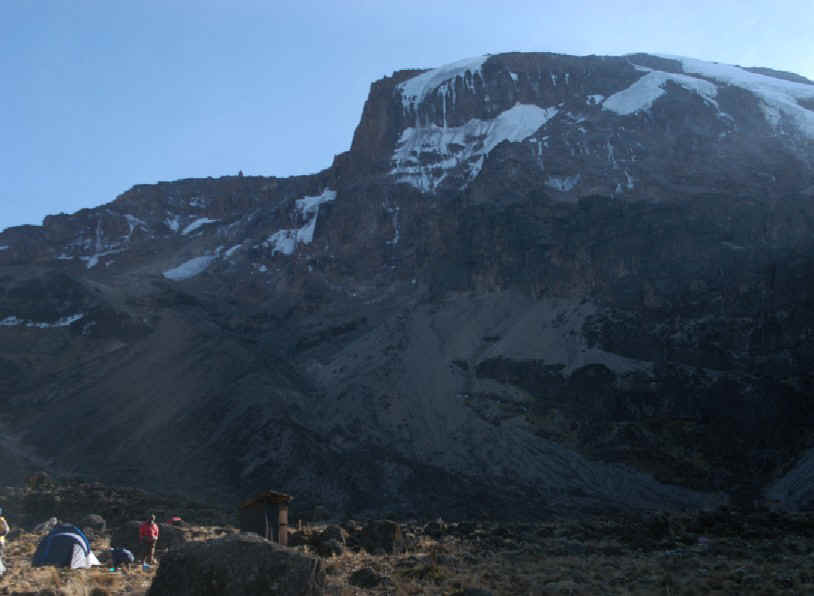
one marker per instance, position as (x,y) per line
(240,565)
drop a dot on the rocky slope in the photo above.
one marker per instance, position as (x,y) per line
(535,283)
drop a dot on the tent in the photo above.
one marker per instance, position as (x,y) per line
(65,546)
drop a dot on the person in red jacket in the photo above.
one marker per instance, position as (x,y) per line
(148,536)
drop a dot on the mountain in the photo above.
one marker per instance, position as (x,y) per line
(535,284)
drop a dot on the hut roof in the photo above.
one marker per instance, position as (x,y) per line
(269,496)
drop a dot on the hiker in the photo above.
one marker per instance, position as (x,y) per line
(121,557)
(148,535)
(4,530)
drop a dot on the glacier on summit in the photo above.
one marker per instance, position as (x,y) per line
(425,155)
(641,94)
(416,89)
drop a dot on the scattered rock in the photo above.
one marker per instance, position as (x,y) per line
(472,592)
(239,565)
(334,533)
(39,481)
(366,578)
(298,538)
(46,526)
(93,522)
(463,528)
(410,540)
(435,529)
(328,548)
(384,535)
(351,526)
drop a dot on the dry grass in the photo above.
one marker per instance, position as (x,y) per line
(553,558)
(605,566)
(22,578)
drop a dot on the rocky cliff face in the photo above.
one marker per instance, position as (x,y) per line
(535,283)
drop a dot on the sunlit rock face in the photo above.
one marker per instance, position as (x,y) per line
(534,284)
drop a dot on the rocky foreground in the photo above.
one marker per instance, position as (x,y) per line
(715,552)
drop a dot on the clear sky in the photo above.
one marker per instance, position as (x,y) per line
(96,96)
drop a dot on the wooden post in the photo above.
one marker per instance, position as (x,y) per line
(282,527)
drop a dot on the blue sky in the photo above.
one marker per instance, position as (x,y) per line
(97,96)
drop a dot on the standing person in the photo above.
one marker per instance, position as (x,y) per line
(4,529)
(148,535)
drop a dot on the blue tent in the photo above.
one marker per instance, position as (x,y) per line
(64,546)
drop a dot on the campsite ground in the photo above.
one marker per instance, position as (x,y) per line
(21,578)
(678,554)
(596,556)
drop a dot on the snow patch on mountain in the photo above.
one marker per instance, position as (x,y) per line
(285,241)
(172,223)
(13,321)
(134,222)
(641,94)
(394,214)
(201,221)
(232,250)
(563,183)
(189,268)
(4,247)
(416,89)
(424,156)
(92,260)
(779,96)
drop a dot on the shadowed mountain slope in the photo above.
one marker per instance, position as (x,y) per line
(535,283)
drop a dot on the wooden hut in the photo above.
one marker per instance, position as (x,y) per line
(266,514)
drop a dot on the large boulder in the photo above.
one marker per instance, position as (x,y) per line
(238,565)
(382,536)
(126,536)
(170,537)
(333,532)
